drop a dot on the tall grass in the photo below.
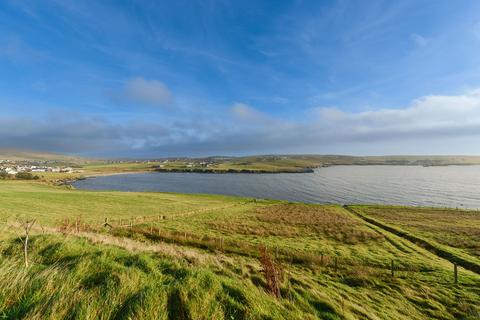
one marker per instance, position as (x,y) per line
(72,279)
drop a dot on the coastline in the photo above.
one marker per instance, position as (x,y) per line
(237,171)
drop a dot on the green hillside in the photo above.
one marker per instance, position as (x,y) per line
(174,256)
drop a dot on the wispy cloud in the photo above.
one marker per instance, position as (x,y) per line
(249,115)
(476,30)
(16,49)
(141,92)
(419,40)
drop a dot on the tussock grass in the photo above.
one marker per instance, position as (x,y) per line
(77,280)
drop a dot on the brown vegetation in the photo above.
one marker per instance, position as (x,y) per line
(325,221)
(272,271)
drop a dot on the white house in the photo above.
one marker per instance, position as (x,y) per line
(11,171)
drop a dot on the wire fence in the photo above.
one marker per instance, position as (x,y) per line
(149,228)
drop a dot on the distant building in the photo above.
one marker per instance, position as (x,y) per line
(11,171)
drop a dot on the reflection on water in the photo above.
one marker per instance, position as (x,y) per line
(452,186)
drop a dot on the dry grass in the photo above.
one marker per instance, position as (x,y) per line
(272,271)
(258,229)
(327,221)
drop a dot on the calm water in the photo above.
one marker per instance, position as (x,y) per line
(452,186)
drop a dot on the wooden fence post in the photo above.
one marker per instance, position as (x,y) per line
(392,268)
(455,272)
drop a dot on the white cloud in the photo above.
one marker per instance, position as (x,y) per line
(251,116)
(430,124)
(419,40)
(151,93)
(432,116)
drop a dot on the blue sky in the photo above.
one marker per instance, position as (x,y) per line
(166,78)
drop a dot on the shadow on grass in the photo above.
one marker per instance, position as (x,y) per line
(129,307)
(177,308)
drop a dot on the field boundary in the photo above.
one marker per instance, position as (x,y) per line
(428,245)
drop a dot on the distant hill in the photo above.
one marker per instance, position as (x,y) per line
(270,163)
(322,160)
(29,155)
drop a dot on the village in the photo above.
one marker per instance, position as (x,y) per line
(12,167)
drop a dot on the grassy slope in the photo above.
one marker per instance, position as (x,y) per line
(455,231)
(52,204)
(142,276)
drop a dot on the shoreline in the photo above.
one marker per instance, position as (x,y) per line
(229,171)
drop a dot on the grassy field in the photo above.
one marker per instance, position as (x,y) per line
(454,231)
(173,256)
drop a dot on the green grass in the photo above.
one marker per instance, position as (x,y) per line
(455,228)
(202,261)
(454,231)
(49,204)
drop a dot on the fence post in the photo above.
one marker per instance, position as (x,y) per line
(455,272)
(392,268)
